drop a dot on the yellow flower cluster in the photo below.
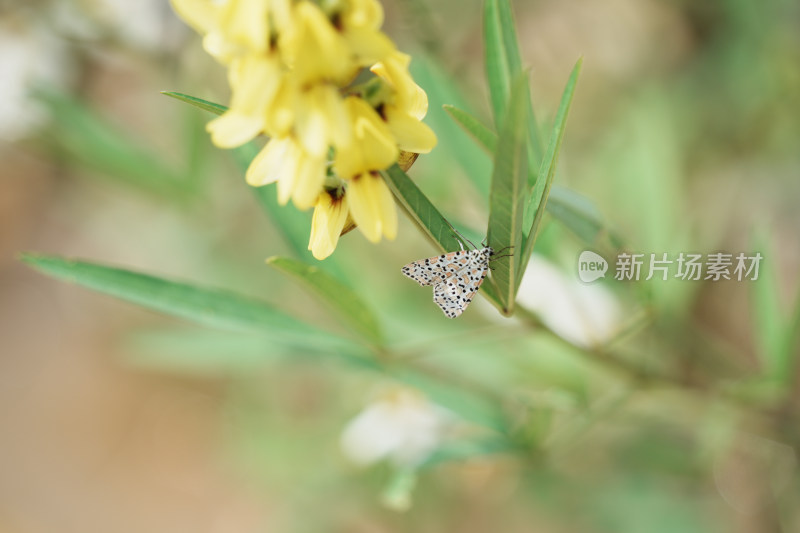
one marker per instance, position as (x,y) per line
(292,69)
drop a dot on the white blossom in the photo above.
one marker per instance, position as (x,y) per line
(585,315)
(401,426)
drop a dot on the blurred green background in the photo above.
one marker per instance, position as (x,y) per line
(683,137)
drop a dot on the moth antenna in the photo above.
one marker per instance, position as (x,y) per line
(461,237)
(501,250)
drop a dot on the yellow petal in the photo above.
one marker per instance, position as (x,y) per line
(280,14)
(254,81)
(287,179)
(313,48)
(368,46)
(199,14)
(363,14)
(312,127)
(299,176)
(234,129)
(372,148)
(411,98)
(326,225)
(245,23)
(380,69)
(289,169)
(339,124)
(268,165)
(322,120)
(372,207)
(411,134)
(280,114)
(309,180)
(219,47)
(416,102)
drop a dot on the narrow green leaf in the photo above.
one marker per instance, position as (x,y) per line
(109,149)
(503,64)
(507,195)
(514,61)
(541,191)
(224,309)
(211,307)
(508,33)
(534,145)
(341,299)
(485,137)
(576,212)
(498,69)
(213,352)
(421,210)
(211,107)
(193,351)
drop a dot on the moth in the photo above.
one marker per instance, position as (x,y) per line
(455,276)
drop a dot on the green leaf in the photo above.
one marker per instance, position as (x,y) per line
(507,195)
(205,105)
(341,299)
(497,68)
(485,137)
(576,212)
(541,191)
(193,351)
(421,210)
(211,307)
(107,148)
(503,64)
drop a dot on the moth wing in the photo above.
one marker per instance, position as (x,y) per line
(443,296)
(456,293)
(419,272)
(437,269)
(476,276)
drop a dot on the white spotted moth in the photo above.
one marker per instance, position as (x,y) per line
(455,277)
